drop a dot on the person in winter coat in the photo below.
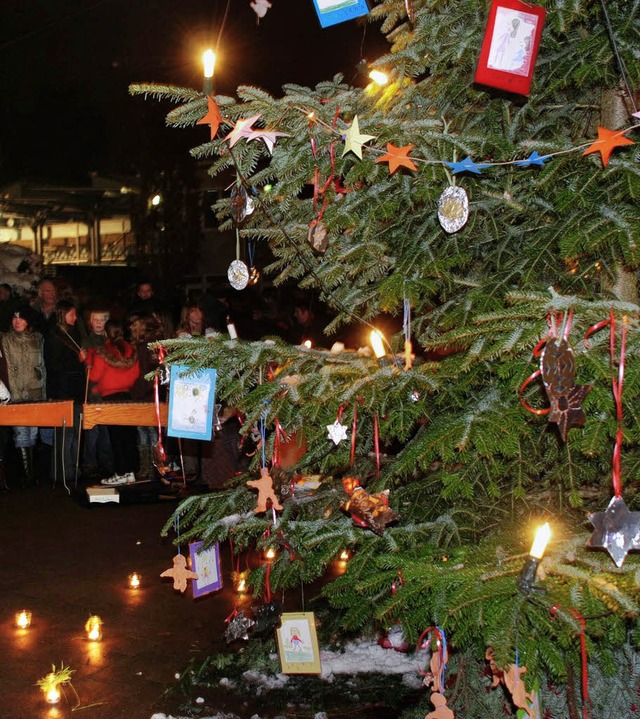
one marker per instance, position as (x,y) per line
(114,369)
(23,371)
(65,379)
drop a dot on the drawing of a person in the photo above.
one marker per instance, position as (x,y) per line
(294,640)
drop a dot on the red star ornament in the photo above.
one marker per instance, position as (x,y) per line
(397,157)
(243,128)
(213,118)
(606,142)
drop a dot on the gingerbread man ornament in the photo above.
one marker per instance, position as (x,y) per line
(441,710)
(180,573)
(264,485)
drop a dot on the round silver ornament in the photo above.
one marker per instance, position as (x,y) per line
(453,209)
(238,275)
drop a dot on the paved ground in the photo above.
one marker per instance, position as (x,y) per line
(64,562)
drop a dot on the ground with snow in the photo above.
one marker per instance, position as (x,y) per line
(356,658)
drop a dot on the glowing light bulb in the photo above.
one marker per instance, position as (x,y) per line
(208,62)
(379,77)
(543,535)
(308,344)
(344,555)
(270,554)
(377,342)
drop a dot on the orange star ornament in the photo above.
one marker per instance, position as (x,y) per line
(606,142)
(213,118)
(397,157)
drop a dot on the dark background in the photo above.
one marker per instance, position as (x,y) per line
(65,68)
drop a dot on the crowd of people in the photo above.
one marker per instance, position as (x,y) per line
(51,348)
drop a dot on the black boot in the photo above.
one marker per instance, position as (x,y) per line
(27,464)
(3,477)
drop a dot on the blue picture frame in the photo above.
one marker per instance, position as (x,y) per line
(206,564)
(332,12)
(191,402)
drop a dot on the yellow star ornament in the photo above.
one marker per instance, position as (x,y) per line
(606,142)
(397,157)
(354,140)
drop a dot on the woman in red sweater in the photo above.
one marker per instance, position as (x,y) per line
(113,369)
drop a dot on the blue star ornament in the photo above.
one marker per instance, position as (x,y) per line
(466,165)
(617,530)
(533,159)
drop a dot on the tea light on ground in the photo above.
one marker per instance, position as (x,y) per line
(93,627)
(53,695)
(23,619)
(135,580)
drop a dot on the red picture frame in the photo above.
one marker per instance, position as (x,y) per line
(510,46)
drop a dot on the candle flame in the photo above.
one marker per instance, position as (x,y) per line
(377,342)
(208,62)
(541,540)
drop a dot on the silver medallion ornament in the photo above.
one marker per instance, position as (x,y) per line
(238,275)
(453,209)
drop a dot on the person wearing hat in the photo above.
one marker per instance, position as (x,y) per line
(23,371)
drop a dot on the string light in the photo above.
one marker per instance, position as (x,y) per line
(23,619)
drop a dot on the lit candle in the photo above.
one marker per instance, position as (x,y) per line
(377,342)
(543,535)
(134,580)
(53,695)
(209,64)
(527,577)
(93,627)
(23,619)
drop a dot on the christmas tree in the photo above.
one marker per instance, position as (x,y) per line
(370,191)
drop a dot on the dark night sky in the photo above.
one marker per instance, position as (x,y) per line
(65,66)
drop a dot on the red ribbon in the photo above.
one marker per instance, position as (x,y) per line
(376,442)
(440,645)
(583,661)
(617,384)
(584,665)
(156,395)
(354,426)
(395,585)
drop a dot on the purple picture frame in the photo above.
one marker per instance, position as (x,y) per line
(206,564)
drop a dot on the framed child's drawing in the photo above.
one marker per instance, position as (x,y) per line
(298,644)
(191,401)
(510,46)
(206,564)
(332,12)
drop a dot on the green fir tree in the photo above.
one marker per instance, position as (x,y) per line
(470,471)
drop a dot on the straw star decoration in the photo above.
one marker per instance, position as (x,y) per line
(397,157)
(607,141)
(213,118)
(354,139)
